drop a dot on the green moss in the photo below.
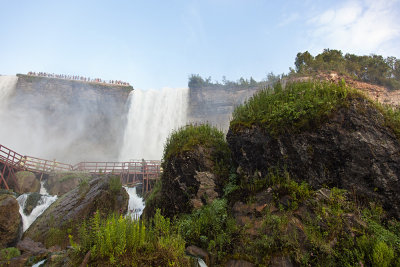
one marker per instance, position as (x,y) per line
(65,176)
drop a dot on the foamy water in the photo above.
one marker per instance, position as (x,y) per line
(45,201)
(136,203)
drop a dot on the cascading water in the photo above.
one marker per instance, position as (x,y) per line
(7,86)
(152,117)
(135,205)
(45,201)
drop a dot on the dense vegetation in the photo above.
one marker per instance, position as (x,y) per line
(300,106)
(323,227)
(123,241)
(371,69)
(297,106)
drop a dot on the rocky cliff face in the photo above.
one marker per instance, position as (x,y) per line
(353,150)
(215,104)
(68,120)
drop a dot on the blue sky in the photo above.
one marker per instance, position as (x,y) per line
(155,44)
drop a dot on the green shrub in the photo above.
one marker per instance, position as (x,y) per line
(7,254)
(382,254)
(83,186)
(115,184)
(210,228)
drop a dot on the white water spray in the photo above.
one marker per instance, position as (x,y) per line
(152,117)
(135,204)
(7,86)
(45,201)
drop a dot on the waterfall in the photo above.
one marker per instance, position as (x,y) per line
(151,118)
(7,86)
(136,204)
(45,201)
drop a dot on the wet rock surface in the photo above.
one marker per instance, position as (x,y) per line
(61,183)
(10,221)
(75,206)
(26,182)
(31,202)
(353,150)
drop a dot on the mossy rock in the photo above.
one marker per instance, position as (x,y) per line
(31,202)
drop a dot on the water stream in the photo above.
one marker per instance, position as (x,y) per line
(45,201)
(136,203)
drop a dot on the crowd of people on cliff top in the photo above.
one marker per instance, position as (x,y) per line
(77,78)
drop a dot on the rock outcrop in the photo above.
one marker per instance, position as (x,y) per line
(215,104)
(62,182)
(74,207)
(354,150)
(26,182)
(188,181)
(10,221)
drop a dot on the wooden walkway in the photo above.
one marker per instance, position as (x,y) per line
(131,172)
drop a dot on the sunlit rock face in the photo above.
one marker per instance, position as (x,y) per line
(354,150)
(66,120)
(215,104)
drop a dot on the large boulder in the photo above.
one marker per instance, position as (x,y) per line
(26,182)
(66,214)
(10,221)
(188,182)
(195,170)
(353,149)
(59,183)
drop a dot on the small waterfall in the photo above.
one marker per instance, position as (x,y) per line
(45,201)
(201,262)
(135,205)
(151,118)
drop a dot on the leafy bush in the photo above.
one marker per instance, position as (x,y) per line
(298,106)
(123,241)
(210,228)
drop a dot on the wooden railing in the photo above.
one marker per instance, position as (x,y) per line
(130,171)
